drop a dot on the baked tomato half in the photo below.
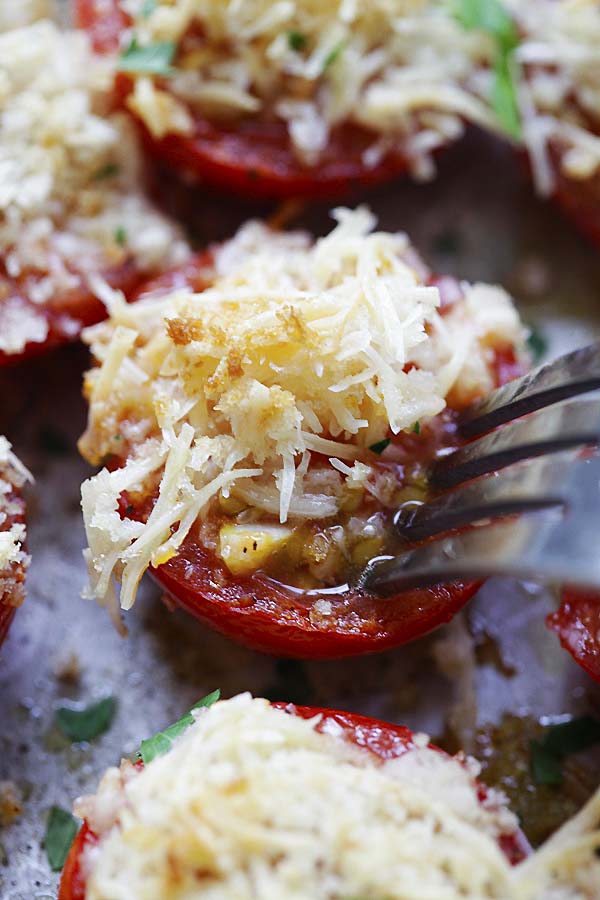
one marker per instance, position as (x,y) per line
(13,556)
(577,624)
(384,740)
(301,114)
(280,472)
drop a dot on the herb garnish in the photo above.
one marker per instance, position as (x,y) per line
(88,723)
(61,829)
(161,742)
(380,446)
(491,16)
(151,59)
(333,55)
(537,344)
(120,236)
(296,40)
(560,741)
(107,171)
(417,428)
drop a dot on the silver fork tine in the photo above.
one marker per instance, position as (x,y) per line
(533,485)
(566,425)
(575,373)
(553,546)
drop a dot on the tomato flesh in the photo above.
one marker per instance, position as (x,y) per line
(384,739)
(577,624)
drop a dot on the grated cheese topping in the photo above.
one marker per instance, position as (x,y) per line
(404,69)
(13,558)
(296,349)
(560,87)
(70,182)
(251,802)
(15,15)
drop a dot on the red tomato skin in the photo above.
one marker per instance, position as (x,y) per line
(577,624)
(384,739)
(265,616)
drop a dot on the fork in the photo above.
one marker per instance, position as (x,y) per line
(527,457)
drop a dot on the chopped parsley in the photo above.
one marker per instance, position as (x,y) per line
(162,741)
(88,723)
(296,40)
(537,343)
(380,446)
(560,741)
(120,236)
(150,59)
(333,55)
(61,829)
(417,428)
(107,171)
(491,16)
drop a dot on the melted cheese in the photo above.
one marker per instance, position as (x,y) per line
(13,558)
(297,348)
(251,802)
(405,69)
(70,181)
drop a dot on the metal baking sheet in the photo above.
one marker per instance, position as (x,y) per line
(479,221)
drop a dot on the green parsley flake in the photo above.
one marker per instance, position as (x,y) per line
(151,59)
(333,55)
(560,741)
(537,344)
(120,236)
(107,171)
(417,428)
(490,16)
(61,829)
(162,741)
(296,40)
(88,723)
(380,446)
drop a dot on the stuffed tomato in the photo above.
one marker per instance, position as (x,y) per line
(75,222)
(252,800)
(298,100)
(306,101)
(259,436)
(14,559)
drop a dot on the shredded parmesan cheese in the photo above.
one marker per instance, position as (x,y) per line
(406,70)
(295,349)
(251,802)
(13,558)
(70,182)
(399,68)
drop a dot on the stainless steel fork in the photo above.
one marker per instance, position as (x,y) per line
(537,467)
